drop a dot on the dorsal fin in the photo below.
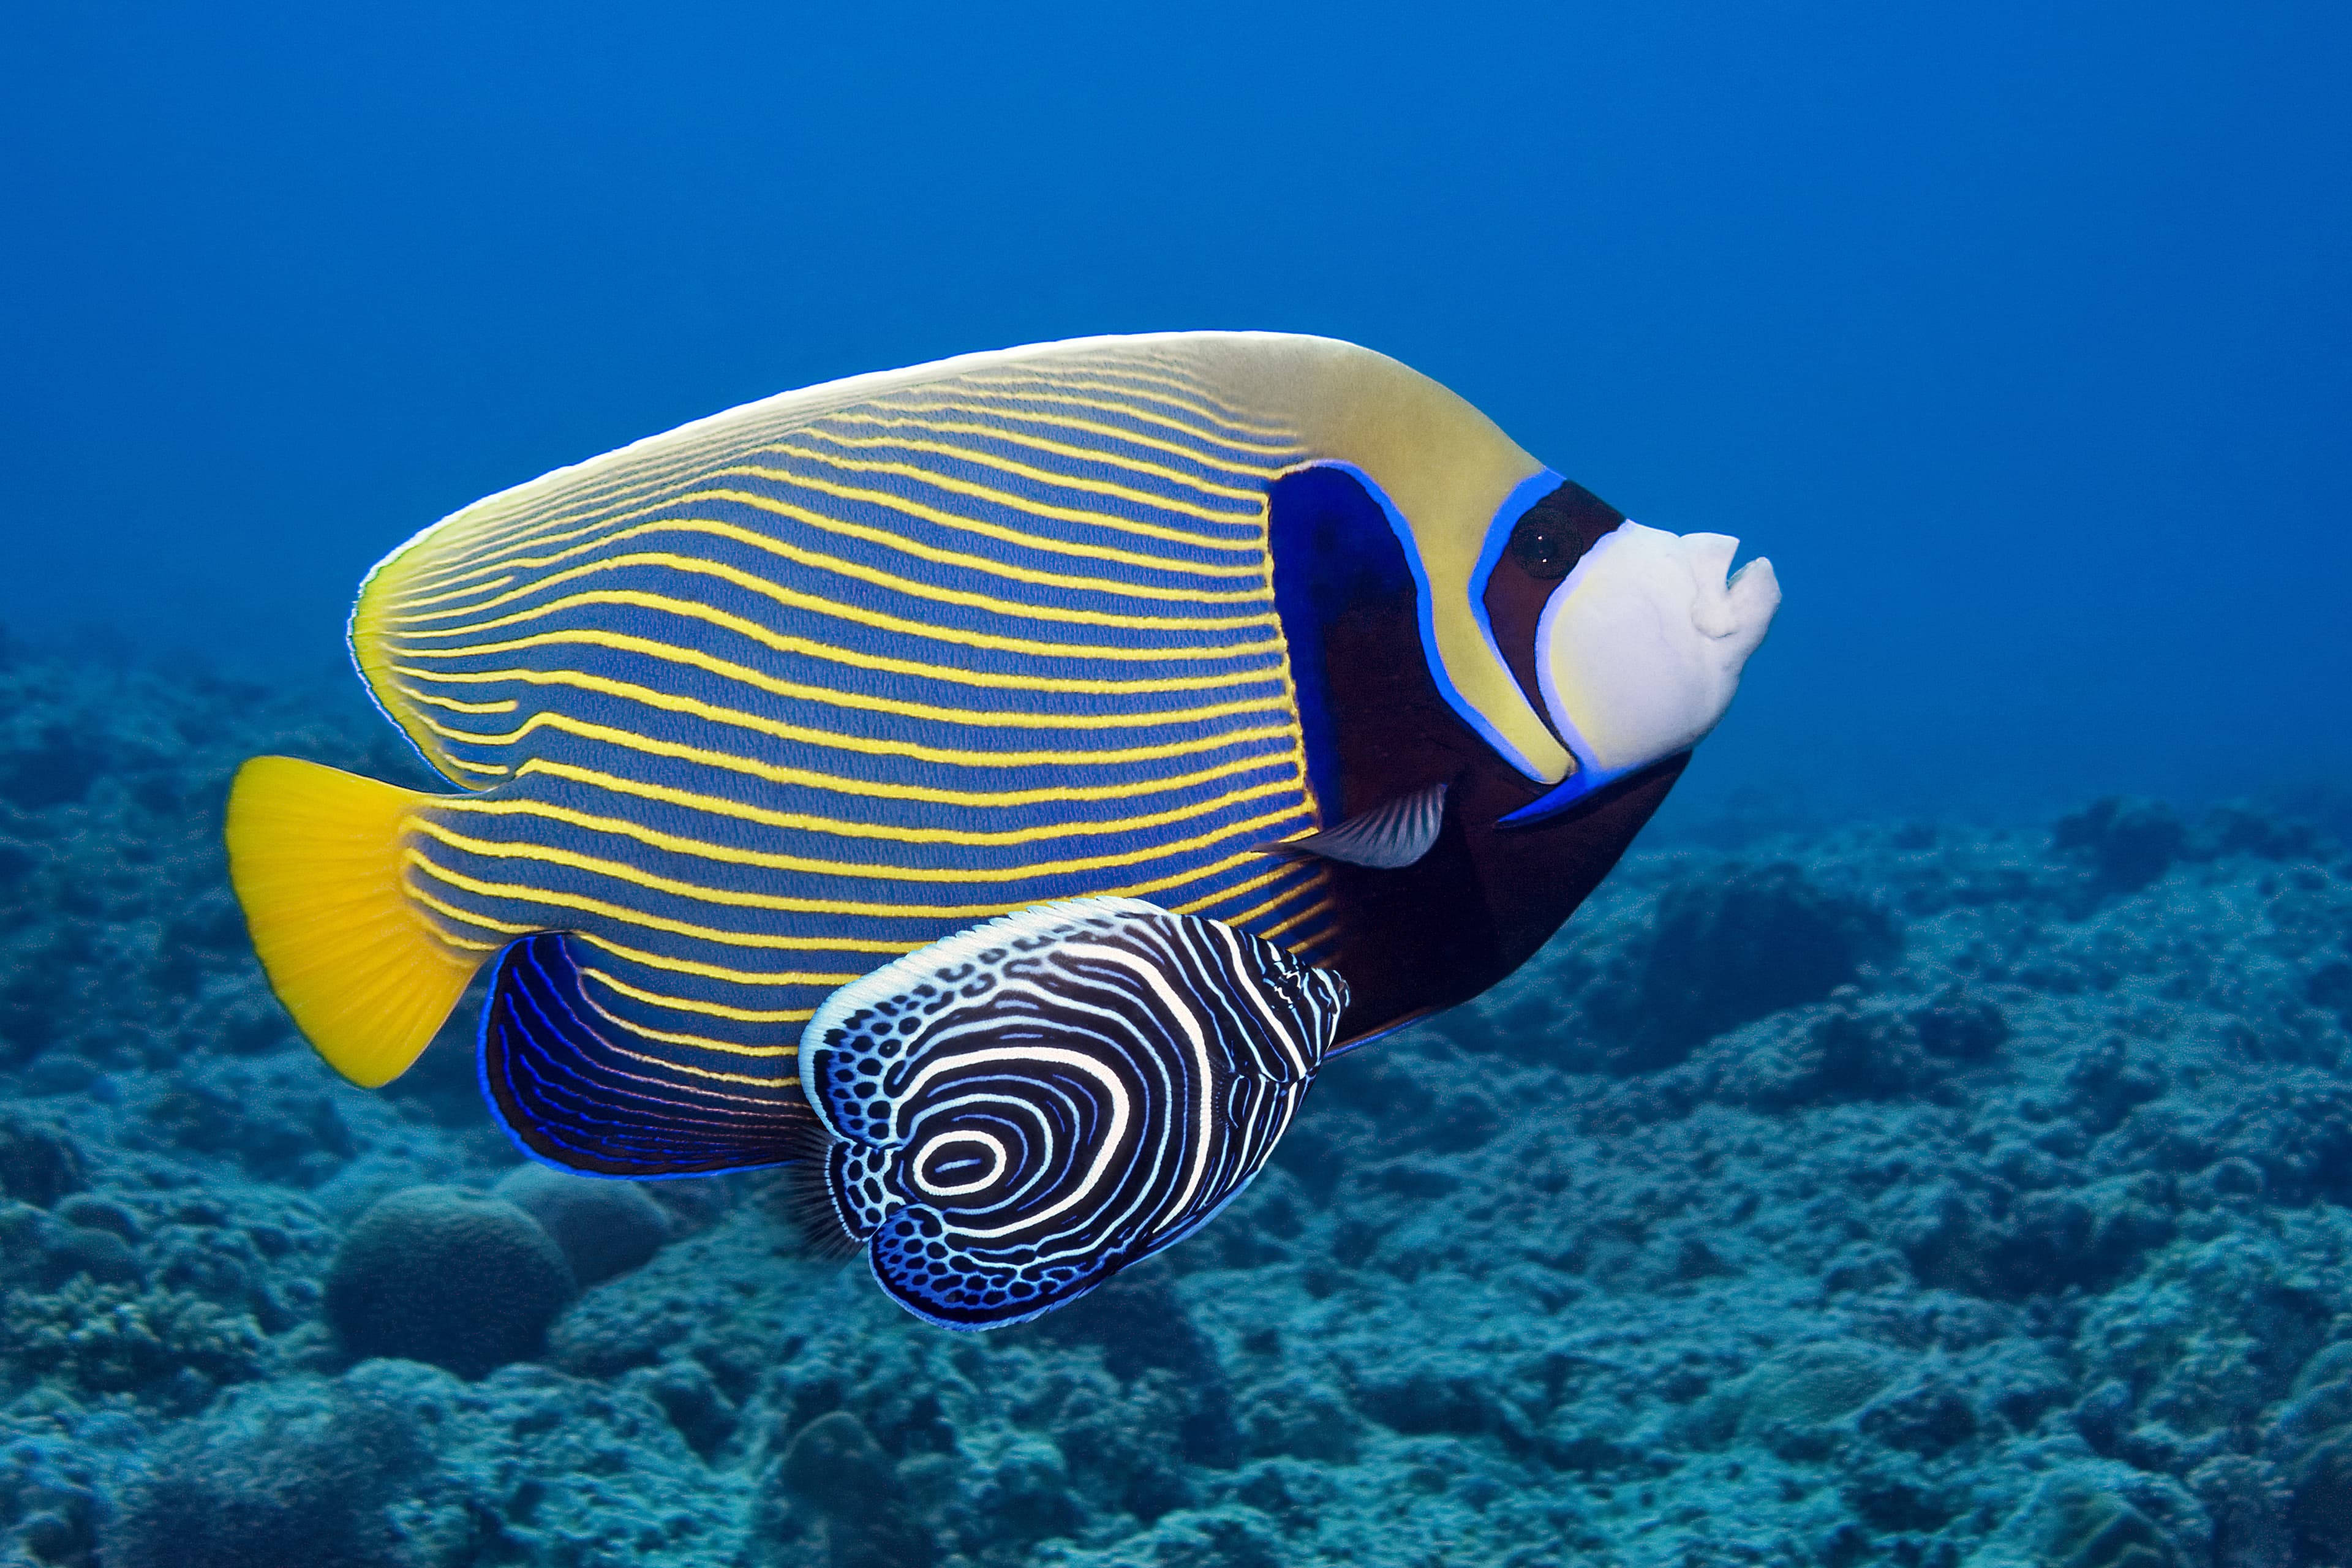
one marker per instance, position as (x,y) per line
(1386,838)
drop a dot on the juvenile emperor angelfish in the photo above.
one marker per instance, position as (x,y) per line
(1002,783)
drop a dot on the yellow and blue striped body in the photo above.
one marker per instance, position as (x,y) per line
(745,711)
(752,719)
(1063,751)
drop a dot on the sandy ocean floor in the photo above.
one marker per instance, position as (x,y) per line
(1909,1193)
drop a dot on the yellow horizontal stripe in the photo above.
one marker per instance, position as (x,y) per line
(1315,944)
(643,493)
(489,523)
(1210,900)
(451,703)
(1036,410)
(697,1042)
(989,679)
(410,600)
(508,930)
(616,481)
(872,576)
(470,946)
(495,770)
(603,536)
(1310,877)
(1146,369)
(800,822)
(505,929)
(1005,429)
(660,1085)
(483,560)
(1300,918)
(501,520)
(831,697)
(1150,500)
(677,843)
(830,740)
(517,893)
(1096,652)
(1013,403)
(774,1109)
(1223,429)
(603,531)
(1252,540)
(730,763)
(670,964)
(715,1010)
(522,893)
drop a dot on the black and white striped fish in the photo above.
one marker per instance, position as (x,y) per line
(1024,1109)
(1185,673)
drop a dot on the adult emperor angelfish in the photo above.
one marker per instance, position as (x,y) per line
(1003,782)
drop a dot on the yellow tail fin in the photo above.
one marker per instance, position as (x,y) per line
(315,855)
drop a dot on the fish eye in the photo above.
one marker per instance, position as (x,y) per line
(1552,537)
(1542,547)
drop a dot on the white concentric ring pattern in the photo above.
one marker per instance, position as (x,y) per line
(1030,1106)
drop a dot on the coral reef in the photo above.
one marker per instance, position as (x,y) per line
(1747,943)
(605,1228)
(107,1338)
(292,1479)
(461,1280)
(1908,1193)
(2128,843)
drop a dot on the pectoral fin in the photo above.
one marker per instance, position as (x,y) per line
(1386,838)
(1024,1108)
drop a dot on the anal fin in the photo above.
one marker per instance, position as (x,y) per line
(578,1087)
(1386,839)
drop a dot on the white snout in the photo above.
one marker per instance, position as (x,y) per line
(1640,650)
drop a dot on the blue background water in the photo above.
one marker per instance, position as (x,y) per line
(2016,334)
(1844,1186)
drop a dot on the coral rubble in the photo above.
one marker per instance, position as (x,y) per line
(1905,1193)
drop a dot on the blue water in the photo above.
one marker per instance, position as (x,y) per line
(2016,335)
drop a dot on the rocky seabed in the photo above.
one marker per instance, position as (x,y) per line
(1911,1193)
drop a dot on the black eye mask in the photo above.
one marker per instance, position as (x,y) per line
(1545,543)
(1552,537)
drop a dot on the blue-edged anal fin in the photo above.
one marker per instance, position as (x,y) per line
(1389,837)
(579,1088)
(1024,1109)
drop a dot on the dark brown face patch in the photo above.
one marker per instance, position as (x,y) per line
(1545,543)
(1480,899)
